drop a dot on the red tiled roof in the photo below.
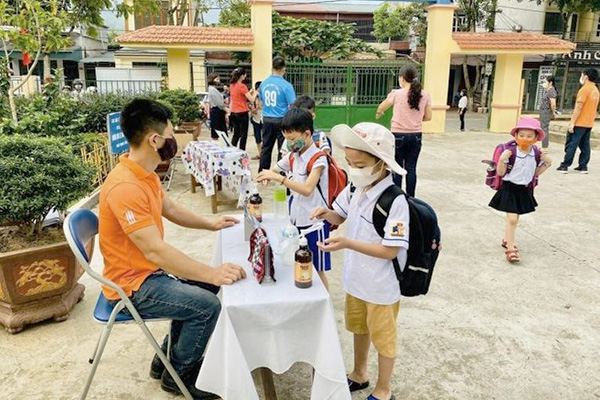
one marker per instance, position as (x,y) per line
(195,35)
(510,41)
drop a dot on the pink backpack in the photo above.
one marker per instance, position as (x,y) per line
(492,179)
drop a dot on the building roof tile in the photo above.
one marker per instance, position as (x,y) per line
(510,41)
(193,35)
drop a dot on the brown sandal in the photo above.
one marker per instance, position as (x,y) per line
(505,244)
(512,256)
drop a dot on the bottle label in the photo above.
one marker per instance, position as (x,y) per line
(303,272)
(256,210)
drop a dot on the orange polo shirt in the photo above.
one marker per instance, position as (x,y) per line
(589,96)
(130,199)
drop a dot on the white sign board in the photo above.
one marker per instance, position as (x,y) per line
(128,80)
(545,71)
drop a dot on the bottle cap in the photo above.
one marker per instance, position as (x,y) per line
(303,241)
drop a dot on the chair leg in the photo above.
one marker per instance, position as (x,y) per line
(170,174)
(169,341)
(160,353)
(91,360)
(100,348)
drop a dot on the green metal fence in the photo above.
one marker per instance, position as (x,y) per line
(346,92)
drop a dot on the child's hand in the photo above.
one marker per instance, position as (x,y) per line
(319,213)
(506,154)
(334,244)
(547,160)
(267,176)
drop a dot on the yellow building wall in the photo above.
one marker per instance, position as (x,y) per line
(178,63)
(437,64)
(506,103)
(262,27)
(588,26)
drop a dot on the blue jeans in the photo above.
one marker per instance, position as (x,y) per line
(408,148)
(579,138)
(193,310)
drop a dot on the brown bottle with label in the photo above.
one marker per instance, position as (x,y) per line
(303,268)
(255,206)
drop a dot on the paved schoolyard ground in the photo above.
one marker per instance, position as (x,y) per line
(487,330)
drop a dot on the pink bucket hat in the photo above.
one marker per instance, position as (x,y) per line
(529,123)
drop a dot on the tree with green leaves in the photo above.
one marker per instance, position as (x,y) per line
(34,28)
(399,22)
(297,39)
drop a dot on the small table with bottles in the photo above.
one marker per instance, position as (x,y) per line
(270,327)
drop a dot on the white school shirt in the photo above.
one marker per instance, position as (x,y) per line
(523,170)
(301,206)
(463,102)
(369,278)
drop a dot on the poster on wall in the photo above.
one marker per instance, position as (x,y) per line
(545,71)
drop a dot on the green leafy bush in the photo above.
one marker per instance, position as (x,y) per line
(38,175)
(97,105)
(185,103)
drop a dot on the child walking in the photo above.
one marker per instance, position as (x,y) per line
(372,289)
(519,172)
(308,190)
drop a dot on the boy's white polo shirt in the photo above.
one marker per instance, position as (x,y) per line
(301,206)
(369,278)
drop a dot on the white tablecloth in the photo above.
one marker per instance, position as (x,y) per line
(270,326)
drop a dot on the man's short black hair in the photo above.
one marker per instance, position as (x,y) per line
(297,120)
(278,63)
(141,116)
(592,74)
(305,102)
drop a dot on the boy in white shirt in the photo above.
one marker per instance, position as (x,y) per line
(318,137)
(309,187)
(372,289)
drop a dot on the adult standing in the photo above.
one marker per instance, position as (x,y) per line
(412,106)
(240,112)
(582,122)
(548,109)
(463,104)
(257,121)
(217,107)
(276,95)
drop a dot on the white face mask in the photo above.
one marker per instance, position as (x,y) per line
(363,177)
(545,85)
(581,80)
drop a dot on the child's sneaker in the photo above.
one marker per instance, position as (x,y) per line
(583,170)
(563,169)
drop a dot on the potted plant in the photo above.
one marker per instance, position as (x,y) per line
(38,272)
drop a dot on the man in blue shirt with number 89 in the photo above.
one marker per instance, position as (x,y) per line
(276,95)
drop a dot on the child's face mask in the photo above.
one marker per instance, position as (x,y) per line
(363,177)
(525,144)
(294,146)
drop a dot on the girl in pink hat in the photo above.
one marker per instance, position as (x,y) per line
(519,166)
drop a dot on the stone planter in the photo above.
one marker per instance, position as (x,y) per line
(37,284)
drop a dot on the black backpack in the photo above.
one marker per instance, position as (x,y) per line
(423,244)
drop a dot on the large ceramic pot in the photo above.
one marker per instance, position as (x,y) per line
(37,284)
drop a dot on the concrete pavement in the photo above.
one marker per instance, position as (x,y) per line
(486,330)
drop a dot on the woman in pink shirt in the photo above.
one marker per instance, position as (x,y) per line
(411,107)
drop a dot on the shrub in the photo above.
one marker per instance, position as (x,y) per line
(97,105)
(186,104)
(38,175)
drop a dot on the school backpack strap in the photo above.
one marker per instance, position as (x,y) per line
(512,146)
(309,167)
(380,215)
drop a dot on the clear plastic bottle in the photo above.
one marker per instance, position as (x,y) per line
(288,244)
(303,268)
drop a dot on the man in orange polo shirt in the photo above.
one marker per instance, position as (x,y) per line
(136,257)
(582,122)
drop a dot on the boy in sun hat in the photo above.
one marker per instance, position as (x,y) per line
(372,289)
(519,166)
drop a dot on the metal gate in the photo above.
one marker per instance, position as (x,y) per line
(346,93)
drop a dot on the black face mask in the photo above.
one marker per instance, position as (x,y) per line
(169,149)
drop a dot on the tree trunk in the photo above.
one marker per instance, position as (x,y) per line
(47,71)
(13,106)
(467,79)
(565,17)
